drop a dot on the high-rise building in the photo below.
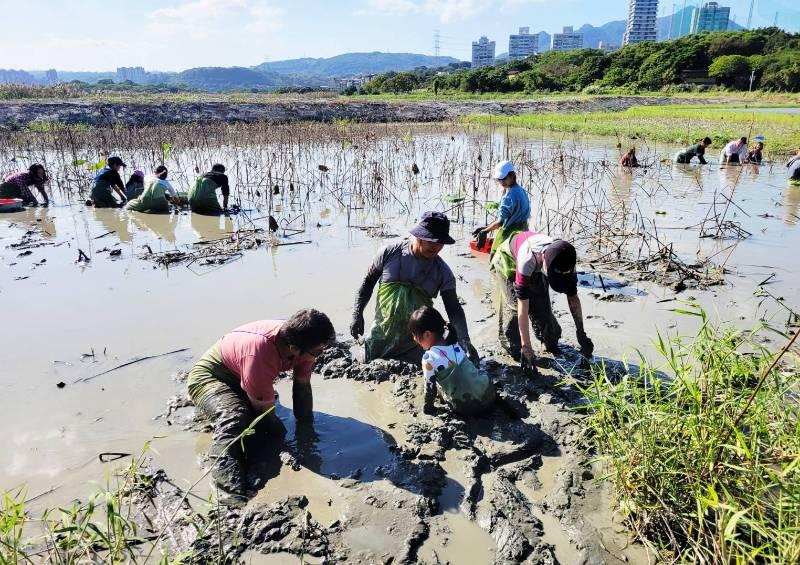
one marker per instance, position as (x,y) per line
(641,21)
(543,41)
(711,17)
(482,52)
(133,74)
(567,40)
(523,44)
(50,76)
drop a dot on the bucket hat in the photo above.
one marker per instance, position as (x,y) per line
(433,226)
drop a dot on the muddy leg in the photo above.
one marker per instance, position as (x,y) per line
(506,308)
(230,412)
(545,326)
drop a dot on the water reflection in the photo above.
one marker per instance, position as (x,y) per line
(114,220)
(210,227)
(791,203)
(161,225)
(39,218)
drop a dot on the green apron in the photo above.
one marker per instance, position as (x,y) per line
(210,373)
(152,201)
(502,235)
(203,197)
(466,388)
(389,337)
(502,258)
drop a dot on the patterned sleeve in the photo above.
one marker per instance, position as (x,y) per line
(428,366)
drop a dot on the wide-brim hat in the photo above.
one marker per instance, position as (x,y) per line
(433,226)
(560,258)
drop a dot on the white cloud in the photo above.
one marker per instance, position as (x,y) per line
(445,10)
(207,19)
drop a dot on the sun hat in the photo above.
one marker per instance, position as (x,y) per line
(560,258)
(433,226)
(502,169)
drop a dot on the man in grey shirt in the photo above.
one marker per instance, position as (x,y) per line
(411,274)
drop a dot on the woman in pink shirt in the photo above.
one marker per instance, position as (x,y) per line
(233,383)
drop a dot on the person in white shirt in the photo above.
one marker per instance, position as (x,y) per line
(735,152)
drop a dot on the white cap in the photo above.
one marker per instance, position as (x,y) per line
(502,169)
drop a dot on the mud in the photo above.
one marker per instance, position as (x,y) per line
(382,480)
(20,114)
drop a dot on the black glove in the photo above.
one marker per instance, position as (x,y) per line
(357,325)
(428,406)
(472,353)
(477,231)
(528,367)
(587,347)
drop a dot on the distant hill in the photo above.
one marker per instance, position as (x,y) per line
(612,32)
(227,78)
(349,64)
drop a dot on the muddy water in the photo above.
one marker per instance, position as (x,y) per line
(64,321)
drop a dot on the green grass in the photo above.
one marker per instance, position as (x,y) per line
(706,466)
(672,124)
(765,98)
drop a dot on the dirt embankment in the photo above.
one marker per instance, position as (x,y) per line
(23,113)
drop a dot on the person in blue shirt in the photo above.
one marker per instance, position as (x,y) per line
(515,206)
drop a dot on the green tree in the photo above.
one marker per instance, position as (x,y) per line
(730,70)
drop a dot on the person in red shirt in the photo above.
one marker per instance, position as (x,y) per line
(233,383)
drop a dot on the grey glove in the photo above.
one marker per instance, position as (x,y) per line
(587,347)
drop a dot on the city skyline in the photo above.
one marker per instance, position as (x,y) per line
(180,34)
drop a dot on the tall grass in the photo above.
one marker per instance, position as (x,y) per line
(671,124)
(706,464)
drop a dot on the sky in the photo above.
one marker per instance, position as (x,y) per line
(172,35)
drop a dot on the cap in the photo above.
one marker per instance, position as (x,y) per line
(560,258)
(433,226)
(502,169)
(115,161)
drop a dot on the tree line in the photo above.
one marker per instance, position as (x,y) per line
(771,56)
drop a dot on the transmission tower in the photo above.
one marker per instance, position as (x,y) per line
(775,22)
(750,14)
(436,43)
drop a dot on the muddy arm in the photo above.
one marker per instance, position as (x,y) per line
(587,347)
(455,313)
(303,401)
(362,299)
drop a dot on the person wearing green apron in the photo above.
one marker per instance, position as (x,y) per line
(105,181)
(524,269)
(157,195)
(515,207)
(465,387)
(203,193)
(411,274)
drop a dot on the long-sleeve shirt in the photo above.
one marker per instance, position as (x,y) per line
(515,207)
(24,180)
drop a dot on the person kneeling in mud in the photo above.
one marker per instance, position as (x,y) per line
(203,193)
(411,275)
(445,365)
(233,383)
(523,269)
(157,195)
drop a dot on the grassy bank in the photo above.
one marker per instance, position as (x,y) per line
(672,124)
(706,467)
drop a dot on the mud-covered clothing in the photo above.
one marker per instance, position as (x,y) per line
(545,325)
(521,258)
(153,199)
(465,387)
(133,188)
(697,150)
(17,186)
(104,183)
(793,168)
(247,357)
(203,193)
(406,282)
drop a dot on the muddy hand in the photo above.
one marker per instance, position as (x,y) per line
(478,231)
(357,326)
(587,347)
(527,361)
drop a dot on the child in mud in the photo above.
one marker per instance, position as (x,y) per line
(445,364)
(629,159)
(755,155)
(515,206)
(232,384)
(135,185)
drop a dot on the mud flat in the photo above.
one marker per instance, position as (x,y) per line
(378,481)
(23,113)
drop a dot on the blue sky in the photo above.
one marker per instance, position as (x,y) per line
(178,34)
